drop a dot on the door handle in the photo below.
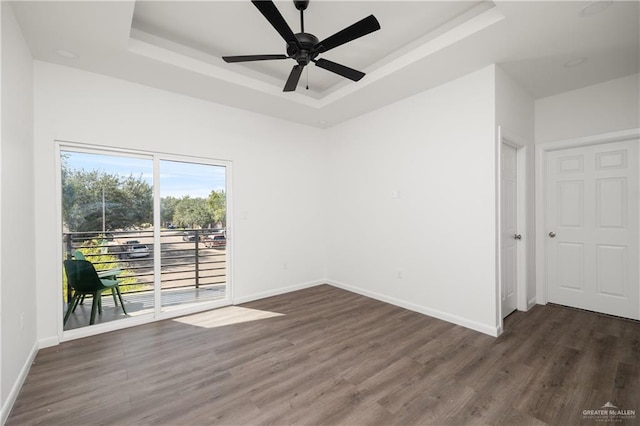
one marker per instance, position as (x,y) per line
(518,236)
(552,234)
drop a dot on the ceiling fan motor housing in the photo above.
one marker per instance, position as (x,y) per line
(305,54)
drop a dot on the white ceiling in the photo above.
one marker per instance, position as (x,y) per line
(177,45)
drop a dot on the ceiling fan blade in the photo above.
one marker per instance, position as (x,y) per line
(249,58)
(294,77)
(347,72)
(352,32)
(271,12)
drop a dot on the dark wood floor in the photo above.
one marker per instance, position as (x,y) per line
(334,357)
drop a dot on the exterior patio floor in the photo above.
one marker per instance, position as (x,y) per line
(141,303)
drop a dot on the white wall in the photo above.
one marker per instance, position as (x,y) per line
(437,149)
(278,174)
(17,278)
(598,109)
(515,113)
(605,108)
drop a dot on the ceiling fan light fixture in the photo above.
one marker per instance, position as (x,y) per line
(594,8)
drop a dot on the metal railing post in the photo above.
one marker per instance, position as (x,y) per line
(197,259)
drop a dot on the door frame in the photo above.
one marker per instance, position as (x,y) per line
(521,146)
(158,314)
(541,194)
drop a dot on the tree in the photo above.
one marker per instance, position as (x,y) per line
(218,204)
(128,201)
(192,212)
(168,209)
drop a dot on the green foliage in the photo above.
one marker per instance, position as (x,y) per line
(195,212)
(168,209)
(192,213)
(128,201)
(218,204)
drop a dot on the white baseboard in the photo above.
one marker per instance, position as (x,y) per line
(52,341)
(473,325)
(48,342)
(15,390)
(531,303)
(276,292)
(483,328)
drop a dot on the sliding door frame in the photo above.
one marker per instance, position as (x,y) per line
(158,314)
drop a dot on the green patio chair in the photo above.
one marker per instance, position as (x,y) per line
(83,278)
(78,255)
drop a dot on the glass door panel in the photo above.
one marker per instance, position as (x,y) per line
(107,215)
(193,236)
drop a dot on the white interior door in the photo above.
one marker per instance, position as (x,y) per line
(509,231)
(592,228)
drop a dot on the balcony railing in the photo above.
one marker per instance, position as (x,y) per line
(189,257)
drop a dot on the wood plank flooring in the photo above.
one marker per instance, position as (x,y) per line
(324,356)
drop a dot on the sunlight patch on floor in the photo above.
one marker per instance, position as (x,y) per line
(226,316)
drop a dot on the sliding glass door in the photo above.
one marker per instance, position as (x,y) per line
(194,237)
(151,228)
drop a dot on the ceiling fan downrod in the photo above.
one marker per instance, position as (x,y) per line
(301,5)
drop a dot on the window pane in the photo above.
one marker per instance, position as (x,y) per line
(193,216)
(107,213)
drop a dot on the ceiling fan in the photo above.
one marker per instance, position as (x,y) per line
(305,47)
